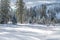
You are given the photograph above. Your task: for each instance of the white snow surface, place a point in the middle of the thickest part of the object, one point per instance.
(29, 32)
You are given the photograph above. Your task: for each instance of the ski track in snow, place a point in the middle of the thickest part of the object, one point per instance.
(31, 32)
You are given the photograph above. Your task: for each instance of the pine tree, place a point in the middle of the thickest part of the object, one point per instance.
(4, 11)
(43, 13)
(20, 8)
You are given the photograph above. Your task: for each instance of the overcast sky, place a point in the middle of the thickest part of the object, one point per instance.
(30, 3)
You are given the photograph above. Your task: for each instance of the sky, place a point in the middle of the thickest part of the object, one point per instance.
(31, 3)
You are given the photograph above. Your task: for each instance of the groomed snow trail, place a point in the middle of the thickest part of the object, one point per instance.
(29, 32)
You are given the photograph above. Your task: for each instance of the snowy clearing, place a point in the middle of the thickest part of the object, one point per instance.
(29, 32)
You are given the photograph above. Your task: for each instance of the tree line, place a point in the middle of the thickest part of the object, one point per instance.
(24, 15)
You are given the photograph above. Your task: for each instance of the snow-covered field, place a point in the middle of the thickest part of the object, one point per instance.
(29, 32)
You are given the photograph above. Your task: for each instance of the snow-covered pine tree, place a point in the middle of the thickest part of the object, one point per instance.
(4, 11)
(20, 9)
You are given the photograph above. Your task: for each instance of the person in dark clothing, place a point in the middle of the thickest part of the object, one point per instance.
(52, 19)
(30, 21)
(14, 20)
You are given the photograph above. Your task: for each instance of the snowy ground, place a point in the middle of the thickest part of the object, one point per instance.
(29, 32)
